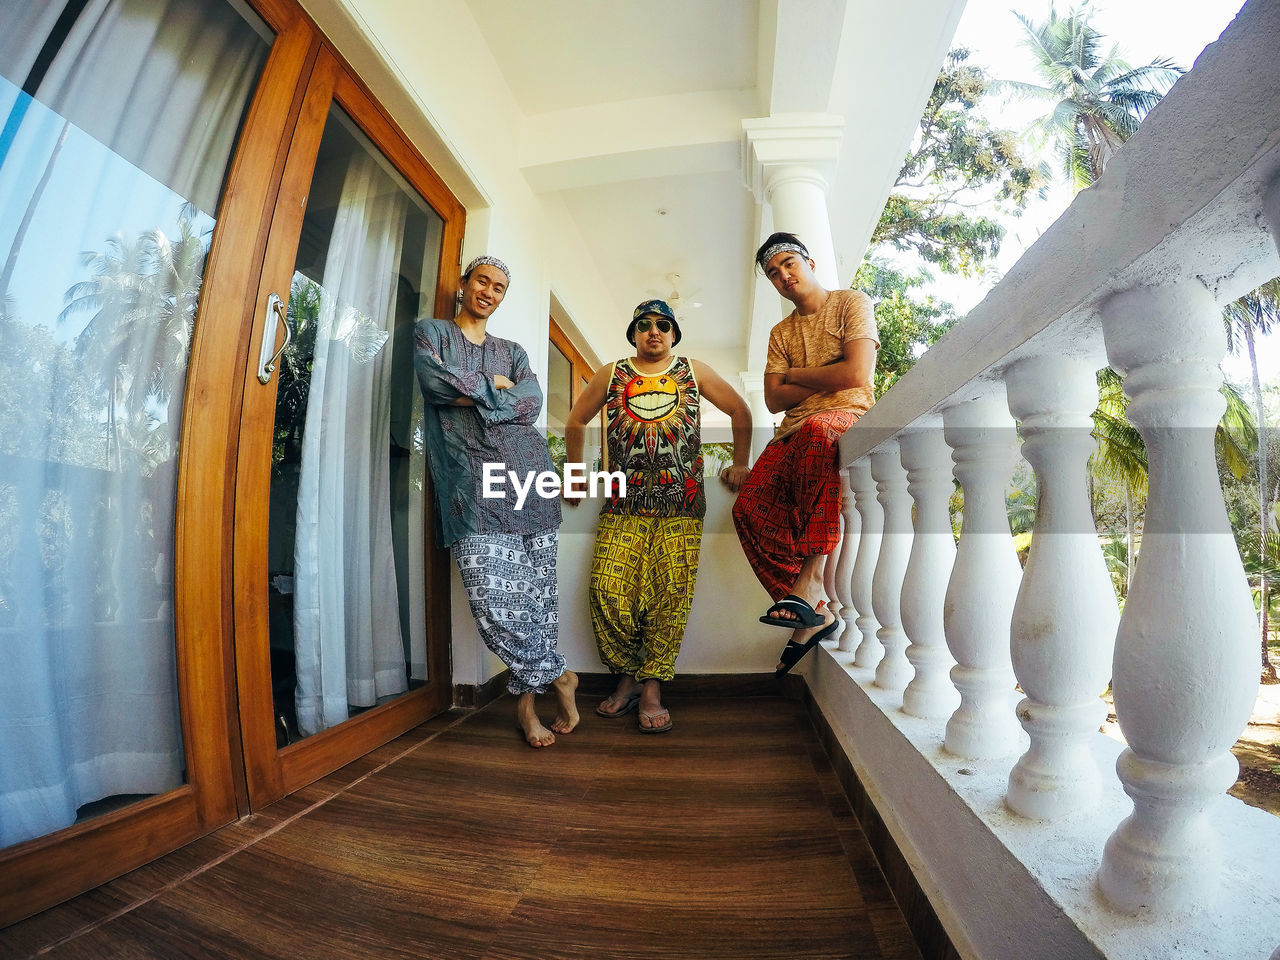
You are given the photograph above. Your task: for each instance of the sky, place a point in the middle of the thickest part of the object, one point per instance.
(1144, 30)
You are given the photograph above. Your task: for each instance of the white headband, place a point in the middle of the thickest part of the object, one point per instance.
(777, 248)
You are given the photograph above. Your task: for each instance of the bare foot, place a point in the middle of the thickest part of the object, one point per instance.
(535, 734)
(653, 716)
(567, 714)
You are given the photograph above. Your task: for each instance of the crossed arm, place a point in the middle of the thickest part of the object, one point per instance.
(782, 391)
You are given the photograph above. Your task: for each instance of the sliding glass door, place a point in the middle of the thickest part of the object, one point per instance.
(119, 123)
(332, 444)
(217, 580)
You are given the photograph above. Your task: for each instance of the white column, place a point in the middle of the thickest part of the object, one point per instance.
(761, 417)
(927, 459)
(984, 580)
(1186, 659)
(869, 649)
(788, 162)
(852, 522)
(894, 670)
(1064, 622)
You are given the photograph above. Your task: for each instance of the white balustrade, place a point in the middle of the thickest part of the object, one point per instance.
(1186, 657)
(927, 459)
(1064, 621)
(894, 670)
(984, 581)
(852, 526)
(869, 650)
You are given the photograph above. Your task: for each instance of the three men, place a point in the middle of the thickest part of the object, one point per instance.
(647, 542)
(482, 402)
(819, 369)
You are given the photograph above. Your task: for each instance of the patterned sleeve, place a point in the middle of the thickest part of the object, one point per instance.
(521, 403)
(443, 382)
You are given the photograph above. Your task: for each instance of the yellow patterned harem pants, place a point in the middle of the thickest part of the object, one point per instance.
(641, 588)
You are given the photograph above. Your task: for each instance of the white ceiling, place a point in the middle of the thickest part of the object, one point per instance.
(636, 48)
(633, 112)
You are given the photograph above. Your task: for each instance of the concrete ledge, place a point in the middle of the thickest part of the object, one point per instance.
(1001, 886)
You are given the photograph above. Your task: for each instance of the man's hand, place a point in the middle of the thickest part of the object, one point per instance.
(573, 493)
(734, 477)
(501, 382)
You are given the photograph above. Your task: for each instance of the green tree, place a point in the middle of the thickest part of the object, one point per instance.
(1256, 314)
(907, 324)
(958, 164)
(1098, 98)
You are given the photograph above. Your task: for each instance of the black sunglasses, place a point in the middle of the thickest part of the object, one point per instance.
(664, 326)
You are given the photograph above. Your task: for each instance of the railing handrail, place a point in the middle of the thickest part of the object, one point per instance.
(1178, 202)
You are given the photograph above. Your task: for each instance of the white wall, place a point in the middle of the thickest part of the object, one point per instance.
(464, 119)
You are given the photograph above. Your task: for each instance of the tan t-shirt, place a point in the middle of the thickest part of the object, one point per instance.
(817, 340)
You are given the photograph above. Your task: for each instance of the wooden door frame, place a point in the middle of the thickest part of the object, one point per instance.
(270, 772)
(49, 869)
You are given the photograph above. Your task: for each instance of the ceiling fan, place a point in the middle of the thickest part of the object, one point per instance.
(677, 302)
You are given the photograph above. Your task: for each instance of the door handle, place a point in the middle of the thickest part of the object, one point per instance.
(266, 356)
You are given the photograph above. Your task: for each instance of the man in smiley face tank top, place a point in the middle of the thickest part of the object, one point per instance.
(647, 542)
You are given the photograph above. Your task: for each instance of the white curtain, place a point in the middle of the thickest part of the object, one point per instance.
(134, 119)
(347, 632)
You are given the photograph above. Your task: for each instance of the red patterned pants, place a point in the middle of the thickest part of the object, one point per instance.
(789, 508)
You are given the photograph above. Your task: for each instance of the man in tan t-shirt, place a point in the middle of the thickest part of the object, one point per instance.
(819, 370)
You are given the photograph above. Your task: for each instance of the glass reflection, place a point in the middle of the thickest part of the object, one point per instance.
(119, 118)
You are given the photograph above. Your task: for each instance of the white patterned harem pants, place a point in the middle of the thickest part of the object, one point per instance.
(510, 581)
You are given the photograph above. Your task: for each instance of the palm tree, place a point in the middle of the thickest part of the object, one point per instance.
(143, 296)
(1119, 457)
(1256, 313)
(1099, 99)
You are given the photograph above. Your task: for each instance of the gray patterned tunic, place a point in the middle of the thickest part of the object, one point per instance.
(498, 429)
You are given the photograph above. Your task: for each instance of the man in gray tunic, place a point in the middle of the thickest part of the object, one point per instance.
(482, 401)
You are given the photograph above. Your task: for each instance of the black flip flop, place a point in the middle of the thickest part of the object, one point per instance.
(793, 652)
(805, 615)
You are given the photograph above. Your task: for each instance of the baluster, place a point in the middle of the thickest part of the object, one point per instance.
(864, 497)
(1064, 622)
(984, 580)
(844, 569)
(894, 670)
(829, 564)
(1185, 673)
(927, 459)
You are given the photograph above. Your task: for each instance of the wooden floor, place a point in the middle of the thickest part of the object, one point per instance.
(727, 838)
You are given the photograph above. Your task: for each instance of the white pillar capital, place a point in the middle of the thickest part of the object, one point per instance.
(788, 162)
(794, 146)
